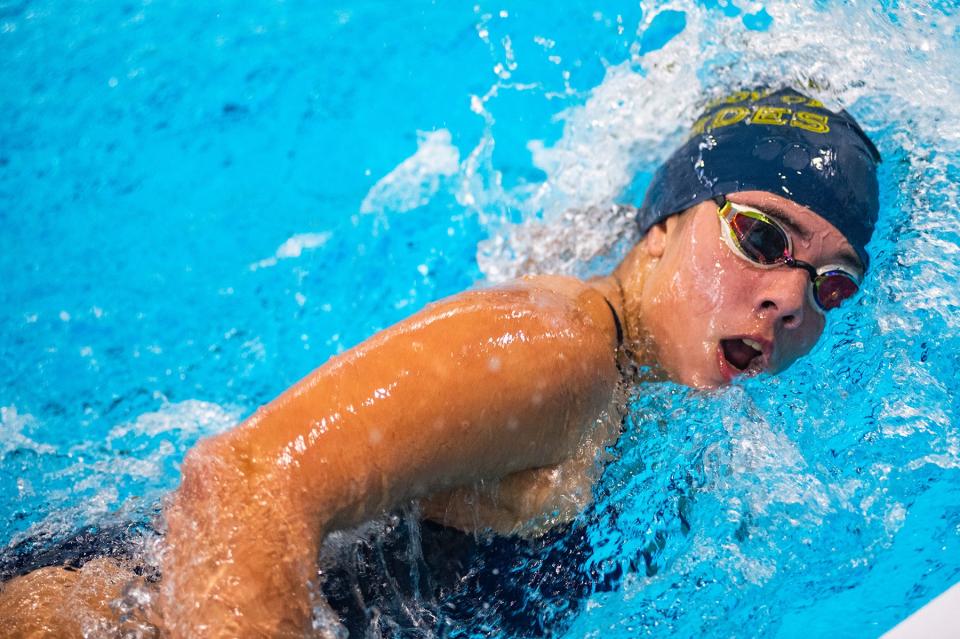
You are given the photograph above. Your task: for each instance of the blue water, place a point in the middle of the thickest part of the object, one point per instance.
(201, 202)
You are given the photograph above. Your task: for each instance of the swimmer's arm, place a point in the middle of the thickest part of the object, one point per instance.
(473, 388)
(530, 502)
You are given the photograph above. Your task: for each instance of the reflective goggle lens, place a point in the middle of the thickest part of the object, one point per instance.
(832, 288)
(759, 240)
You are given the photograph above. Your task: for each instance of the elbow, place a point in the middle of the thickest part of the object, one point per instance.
(215, 492)
(212, 471)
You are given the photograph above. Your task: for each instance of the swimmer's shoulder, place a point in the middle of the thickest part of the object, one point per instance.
(566, 285)
(547, 301)
(586, 300)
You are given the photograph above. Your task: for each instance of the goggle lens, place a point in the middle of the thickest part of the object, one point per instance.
(761, 241)
(832, 288)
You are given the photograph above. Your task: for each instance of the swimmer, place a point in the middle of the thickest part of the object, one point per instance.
(493, 407)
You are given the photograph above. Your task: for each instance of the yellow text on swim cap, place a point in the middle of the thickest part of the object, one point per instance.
(763, 115)
(754, 96)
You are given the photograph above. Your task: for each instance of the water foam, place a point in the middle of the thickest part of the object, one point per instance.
(12, 435)
(293, 247)
(123, 476)
(416, 179)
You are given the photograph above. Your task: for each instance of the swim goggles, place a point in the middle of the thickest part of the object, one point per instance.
(759, 239)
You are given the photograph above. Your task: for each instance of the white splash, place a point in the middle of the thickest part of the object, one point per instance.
(773, 470)
(189, 417)
(418, 178)
(135, 454)
(293, 247)
(12, 436)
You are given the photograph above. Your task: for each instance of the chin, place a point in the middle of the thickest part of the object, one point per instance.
(703, 373)
(700, 380)
(709, 384)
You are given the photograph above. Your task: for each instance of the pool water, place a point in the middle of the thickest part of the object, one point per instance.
(201, 202)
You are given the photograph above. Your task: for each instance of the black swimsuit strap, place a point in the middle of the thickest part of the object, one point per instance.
(616, 321)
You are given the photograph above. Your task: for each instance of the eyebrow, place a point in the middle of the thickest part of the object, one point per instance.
(775, 210)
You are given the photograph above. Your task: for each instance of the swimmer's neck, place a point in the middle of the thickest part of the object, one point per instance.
(624, 290)
(609, 286)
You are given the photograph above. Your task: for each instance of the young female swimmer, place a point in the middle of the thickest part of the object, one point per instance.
(752, 231)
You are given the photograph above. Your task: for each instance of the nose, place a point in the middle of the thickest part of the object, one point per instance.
(784, 296)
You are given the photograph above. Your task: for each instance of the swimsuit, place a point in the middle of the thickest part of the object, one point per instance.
(616, 322)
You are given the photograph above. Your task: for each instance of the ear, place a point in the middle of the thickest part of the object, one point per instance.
(655, 241)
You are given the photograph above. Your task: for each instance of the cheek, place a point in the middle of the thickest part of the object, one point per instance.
(698, 296)
(811, 334)
(803, 342)
(717, 283)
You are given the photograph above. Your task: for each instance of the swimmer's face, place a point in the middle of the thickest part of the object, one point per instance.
(713, 315)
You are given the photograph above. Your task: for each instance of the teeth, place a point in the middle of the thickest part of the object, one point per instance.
(752, 344)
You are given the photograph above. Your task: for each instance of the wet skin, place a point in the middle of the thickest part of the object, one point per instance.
(510, 389)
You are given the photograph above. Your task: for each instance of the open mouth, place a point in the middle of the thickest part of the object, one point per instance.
(743, 353)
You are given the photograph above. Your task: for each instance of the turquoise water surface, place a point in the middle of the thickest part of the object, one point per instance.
(201, 202)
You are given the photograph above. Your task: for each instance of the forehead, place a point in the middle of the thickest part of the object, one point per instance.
(804, 225)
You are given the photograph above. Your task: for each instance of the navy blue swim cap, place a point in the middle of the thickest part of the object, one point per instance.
(781, 142)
